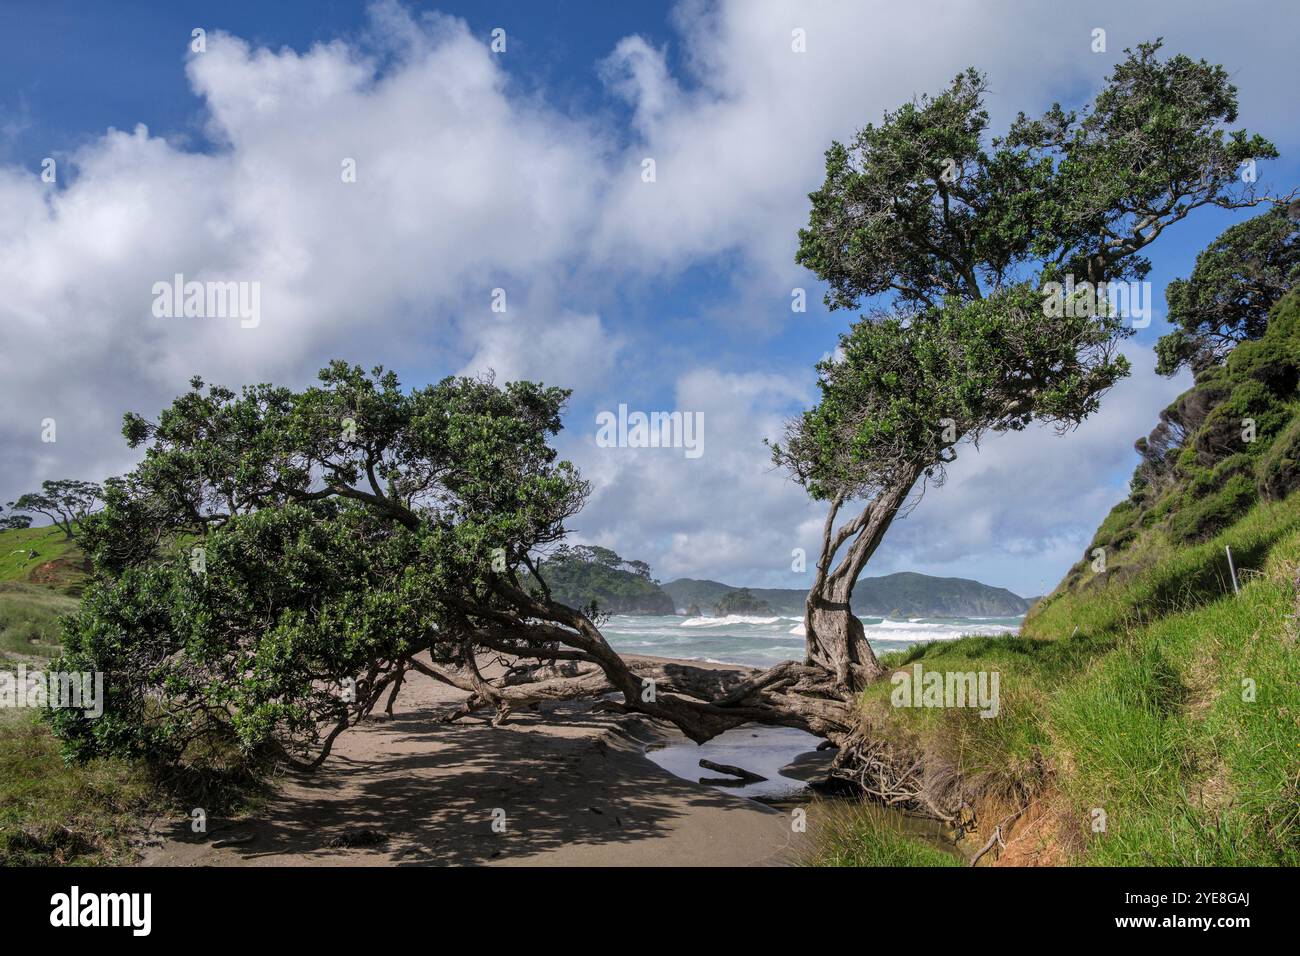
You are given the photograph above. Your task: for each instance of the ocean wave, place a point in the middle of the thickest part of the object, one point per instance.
(909, 624)
(729, 620)
(917, 632)
(761, 641)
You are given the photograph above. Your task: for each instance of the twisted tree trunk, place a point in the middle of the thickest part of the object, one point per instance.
(834, 637)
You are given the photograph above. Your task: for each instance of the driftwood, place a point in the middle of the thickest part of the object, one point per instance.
(745, 776)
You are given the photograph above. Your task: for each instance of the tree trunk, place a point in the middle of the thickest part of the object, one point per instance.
(835, 639)
(833, 635)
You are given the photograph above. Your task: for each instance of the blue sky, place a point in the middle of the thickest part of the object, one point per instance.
(520, 171)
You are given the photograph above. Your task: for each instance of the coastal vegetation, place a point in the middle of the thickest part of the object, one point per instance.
(275, 543)
(281, 559)
(53, 812)
(741, 601)
(597, 578)
(920, 219)
(1148, 712)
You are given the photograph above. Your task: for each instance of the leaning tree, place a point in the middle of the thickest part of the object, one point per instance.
(985, 268)
(65, 501)
(280, 559)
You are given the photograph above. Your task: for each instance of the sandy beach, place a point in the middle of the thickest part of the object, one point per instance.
(572, 788)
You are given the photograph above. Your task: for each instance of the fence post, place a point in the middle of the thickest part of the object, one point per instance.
(1232, 570)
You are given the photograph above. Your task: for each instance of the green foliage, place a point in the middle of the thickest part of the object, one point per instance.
(900, 393)
(1204, 515)
(1226, 300)
(963, 239)
(1273, 360)
(65, 502)
(1219, 447)
(262, 575)
(1224, 432)
(918, 206)
(590, 576)
(1278, 471)
(1118, 528)
(14, 522)
(742, 601)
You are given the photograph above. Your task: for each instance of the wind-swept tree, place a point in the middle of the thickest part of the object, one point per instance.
(1226, 300)
(14, 522)
(66, 502)
(955, 240)
(280, 558)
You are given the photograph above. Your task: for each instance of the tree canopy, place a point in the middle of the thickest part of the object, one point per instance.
(14, 522)
(986, 265)
(277, 554)
(1226, 299)
(920, 207)
(958, 238)
(599, 581)
(65, 501)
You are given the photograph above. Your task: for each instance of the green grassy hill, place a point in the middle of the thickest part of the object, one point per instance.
(1144, 693)
(41, 575)
(41, 556)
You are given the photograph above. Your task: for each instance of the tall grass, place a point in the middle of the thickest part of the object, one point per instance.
(52, 813)
(29, 619)
(846, 834)
(1160, 703)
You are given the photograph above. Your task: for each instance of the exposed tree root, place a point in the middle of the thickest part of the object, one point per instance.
(902, 780)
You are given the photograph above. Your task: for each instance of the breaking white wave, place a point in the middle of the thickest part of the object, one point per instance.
(763, 641)
(728, 621)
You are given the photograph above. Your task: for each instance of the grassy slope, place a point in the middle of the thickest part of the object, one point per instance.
(1125, 691)
(25, 551)
(53, 813)
(864, 835)
(50, 812)
(1138, 712)
(1160, 732)
(40, 575)
(29, 619)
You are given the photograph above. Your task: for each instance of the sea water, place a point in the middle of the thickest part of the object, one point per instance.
(764, 641)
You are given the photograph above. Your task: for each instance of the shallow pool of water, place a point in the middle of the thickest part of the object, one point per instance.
(760, 750)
